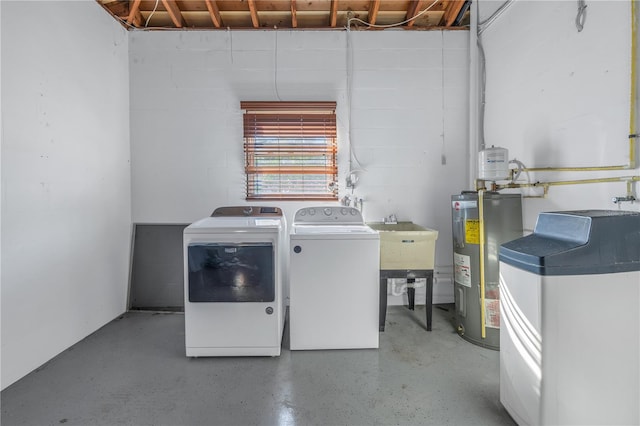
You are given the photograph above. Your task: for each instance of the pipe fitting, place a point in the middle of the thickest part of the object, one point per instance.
(627, 198)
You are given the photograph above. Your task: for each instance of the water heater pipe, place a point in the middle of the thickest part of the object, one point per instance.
(483, 331)
(633, 113)
(627, 179)
(474, 88)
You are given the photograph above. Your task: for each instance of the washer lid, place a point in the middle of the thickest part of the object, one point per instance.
(332, 230)
(328, 215)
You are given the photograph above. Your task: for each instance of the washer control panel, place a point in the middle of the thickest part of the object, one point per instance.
(326, 215)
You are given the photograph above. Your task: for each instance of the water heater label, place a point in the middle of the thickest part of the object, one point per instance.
(465, 204)
(472, 231)
(462, 269)
(492, 313)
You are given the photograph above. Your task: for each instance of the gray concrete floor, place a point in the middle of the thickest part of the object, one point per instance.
(133, 372)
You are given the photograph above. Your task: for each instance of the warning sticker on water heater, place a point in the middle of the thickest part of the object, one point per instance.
(462, 269)
(492, 313)
(472, 231)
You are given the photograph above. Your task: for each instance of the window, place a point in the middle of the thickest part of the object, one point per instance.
(290, 150)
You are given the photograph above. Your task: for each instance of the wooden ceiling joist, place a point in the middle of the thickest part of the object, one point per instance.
(294, 15)
(254, 13)
(413, 10)
(333, 14)
(118, 8)
(133, 11)
(214, 12)
(451, 13)
(374, 6)
(277, 14)
(174, 13)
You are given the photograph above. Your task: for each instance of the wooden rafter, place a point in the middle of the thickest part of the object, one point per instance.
(451, 13)
(117, 8)
(297, 14)
(254, 13)
(294, 15)
(413, 10)
(133, 11)
(214, 12)
(333, 14)
(174, 13)
(374, 6)
(138, 20)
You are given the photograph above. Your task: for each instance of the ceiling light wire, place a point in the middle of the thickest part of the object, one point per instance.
(230, 44)
(151, 14)
(275, 66)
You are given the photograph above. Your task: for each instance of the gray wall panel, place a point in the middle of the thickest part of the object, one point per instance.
(157, 267)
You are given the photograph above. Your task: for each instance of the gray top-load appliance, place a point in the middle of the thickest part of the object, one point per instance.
(570, 303)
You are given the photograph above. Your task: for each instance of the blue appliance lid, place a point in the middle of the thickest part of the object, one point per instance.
(578, 243)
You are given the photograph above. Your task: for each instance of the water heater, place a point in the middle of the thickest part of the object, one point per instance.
(476, 291)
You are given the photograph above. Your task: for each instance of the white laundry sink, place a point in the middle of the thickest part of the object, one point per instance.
(405, 245)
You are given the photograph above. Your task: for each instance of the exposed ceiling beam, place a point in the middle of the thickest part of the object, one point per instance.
(214, 11)
(117, 8)
(297, 14)
(374, 6)
(413, 10)
(174, 13)
(254, 13)
(135, 9)
(294, 15)
(138, 20)
(451, 13)
(462, 13)
(334, 14)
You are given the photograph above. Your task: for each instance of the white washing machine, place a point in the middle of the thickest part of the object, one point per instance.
(334, 280)
(234, 268)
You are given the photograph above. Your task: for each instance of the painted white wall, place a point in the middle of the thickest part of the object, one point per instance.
(408, 123)
(66, 201)
(1, 143)
(557, 97)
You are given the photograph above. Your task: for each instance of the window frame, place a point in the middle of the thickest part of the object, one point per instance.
(290, 145)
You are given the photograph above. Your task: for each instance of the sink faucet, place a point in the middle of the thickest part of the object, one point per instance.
(391, 220)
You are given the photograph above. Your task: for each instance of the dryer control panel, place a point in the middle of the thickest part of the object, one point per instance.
(329, 215)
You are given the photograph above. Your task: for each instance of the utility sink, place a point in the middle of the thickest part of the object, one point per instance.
(405, 245)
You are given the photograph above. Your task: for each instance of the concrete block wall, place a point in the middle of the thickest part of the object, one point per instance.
(405, 118)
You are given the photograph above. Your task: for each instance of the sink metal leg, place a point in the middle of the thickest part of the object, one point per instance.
(411, 295)
(383, 302)
(429, 302)
(410, 276)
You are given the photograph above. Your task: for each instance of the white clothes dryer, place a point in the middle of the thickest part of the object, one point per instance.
(233, 275)
(334, 280)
